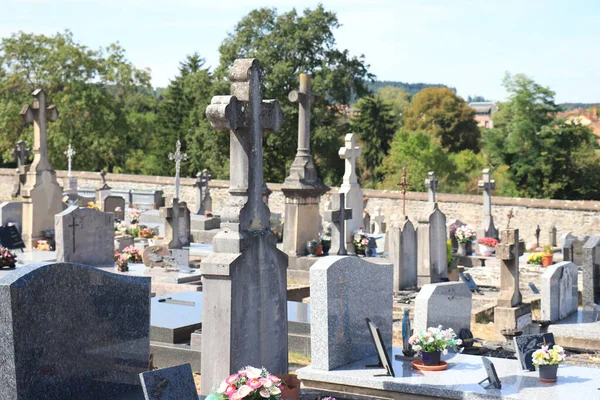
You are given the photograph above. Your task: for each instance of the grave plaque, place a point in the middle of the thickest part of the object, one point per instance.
(525, 346)
(534, 288)
(115, 205)
(447, 304)
(469, 281)
(11, 238)
(174, 383)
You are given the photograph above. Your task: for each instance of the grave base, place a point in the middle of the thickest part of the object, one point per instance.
(170, 355)
(513, 318)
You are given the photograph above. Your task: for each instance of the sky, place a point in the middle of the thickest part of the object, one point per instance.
(460, 43)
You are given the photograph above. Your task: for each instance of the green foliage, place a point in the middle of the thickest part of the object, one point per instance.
(397, 98)
(446, 117)
(375, 126)
(410, 88)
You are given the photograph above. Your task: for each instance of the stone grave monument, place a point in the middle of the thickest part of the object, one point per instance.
(402, 241)
(344, 292)
(115, 205)
(552, 235)
(446, 303)
(72, 332)
(85, 236)
(591, 273)
(432, 263)
(203, 198)
(378, 223)
(246, 272)
(11, 212)
(174, 383)
(20, 154)
(487, 185)
(41, 193)
(560, 297)
(510, 312)
(351, 189)
(337, 215)
(302, 188)
(203, 227)
(103, 189)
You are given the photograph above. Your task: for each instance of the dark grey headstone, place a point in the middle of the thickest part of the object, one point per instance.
(72, 332)
(526, 345)
(174, 383)
(115, 205)
(591, 273)
(175, 316)
(468, 279)
(534, 288)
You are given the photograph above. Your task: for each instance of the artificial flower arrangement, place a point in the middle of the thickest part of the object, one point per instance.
(535, 258)
(488, 241)
(7, 258)
(547, 359)
(464, 234)
(360, 240)
(133, 255)
(208, 214)
(134, 230)
(434, 339)
(93, 205)
(42, 245)
(133, 215)
(146, 233)
(278, 235)
(250, 383)
(123, 263)
(120, 229)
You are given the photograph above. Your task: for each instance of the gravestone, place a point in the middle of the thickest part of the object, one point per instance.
(366, 222)
(115, 205)
(177, 223)
(526, 345)
(41, 193)
(552, 236)
(203, 198)
(72, 332)
(174, 383)
(402, 241)
(510, 312)
(351, 189)
(103, 190)
(344, 292)
(20, 154)
(10, 237)
(560, 296)
(378, 224)
(338, 214)
(469, 281)
(11, 212)
(447, 304)
(577, 250)
(487, 185)
(246, 271)
(591, 273)
(302, 187)
(85, 236)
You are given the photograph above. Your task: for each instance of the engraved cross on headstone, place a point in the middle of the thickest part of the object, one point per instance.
(70, 152)
(178, 157)
(487, 185)
(431, 184)
(38, 114)
(20, 153)
(338, 214)
(245, 114)
(74, 225)
(350, 152)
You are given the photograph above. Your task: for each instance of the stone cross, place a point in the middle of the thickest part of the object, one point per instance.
(404, 185)
(245, 114)
(487, 185)
(338, 214)
(178, 157)
(350, 153)
(70, 152)
(537, 236)
(431, 184)
(20, 153)
(378, 218)
(199, 185)
(304, 99)
(39, 114)
(508, 252)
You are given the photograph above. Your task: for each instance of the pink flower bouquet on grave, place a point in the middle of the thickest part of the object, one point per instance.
(250, 383)
(464, 234)
(133, 255)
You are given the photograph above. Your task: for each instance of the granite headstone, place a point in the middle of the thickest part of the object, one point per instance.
(526, 345)
(115, 205)
(12, 212)
(447, 304)
(174, 383)
(402, 240)
(591, 273)
(559, 291)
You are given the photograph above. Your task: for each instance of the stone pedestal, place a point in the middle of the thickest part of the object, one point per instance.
(177, 224)
(301, 222)
(513, 318)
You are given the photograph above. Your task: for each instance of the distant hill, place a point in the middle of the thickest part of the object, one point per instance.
(411, 88)
(574, 106)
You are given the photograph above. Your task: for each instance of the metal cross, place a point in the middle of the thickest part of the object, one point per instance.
(510, 215)
(487, 184)
(178, 157)
(404, 185)
(70, 152)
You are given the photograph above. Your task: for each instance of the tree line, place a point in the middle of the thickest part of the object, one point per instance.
(118, 122)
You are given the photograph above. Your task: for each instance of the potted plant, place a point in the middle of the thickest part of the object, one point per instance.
(360, 241)
(432, 343)
(249, 383)
(547, 255)
(546, 360)
(487, 246)
(463, 235)
(7, 258)
(123, 263)
(535, 258)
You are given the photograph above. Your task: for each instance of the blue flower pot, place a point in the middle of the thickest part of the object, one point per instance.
(431, 357)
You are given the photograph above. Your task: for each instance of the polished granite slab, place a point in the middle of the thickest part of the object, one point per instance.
(460, 380)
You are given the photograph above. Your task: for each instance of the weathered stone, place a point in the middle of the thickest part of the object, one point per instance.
(344, 292)
(338, 214)
(174, 383)
(12, 212)
(85, 236)
(378, 224)
(447, 304)
(559, 300)
(177, 221)
(351, 189)
(72, 332)
(432, 262)
(402, 241)
(115, 205)
(487, 185)
(203, 198)
(591, 273)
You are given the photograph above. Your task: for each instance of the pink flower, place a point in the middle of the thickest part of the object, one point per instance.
(244, 391)
(265, 393)
(243, 372)
(253, 372)
(230, 390)
(232, 378)
(274, 379)
(254, 383)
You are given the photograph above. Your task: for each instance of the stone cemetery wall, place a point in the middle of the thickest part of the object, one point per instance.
(579, 217)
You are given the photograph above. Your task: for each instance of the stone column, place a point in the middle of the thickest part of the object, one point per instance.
(351, 189)
(302, 188)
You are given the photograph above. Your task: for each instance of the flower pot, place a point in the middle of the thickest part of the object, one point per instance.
(485, 251)
(462, 249)
(291, 386)
(311, 247)
(548, 373)
(319, 251)
(431, 357)
(326, 246)
(547, 260)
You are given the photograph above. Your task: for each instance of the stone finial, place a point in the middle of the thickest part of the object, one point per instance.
(431, 183)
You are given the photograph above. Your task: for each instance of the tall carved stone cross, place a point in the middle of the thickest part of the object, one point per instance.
(431, 184)
(38, 114)
(20, 153)
(245, 114)
(487, 185)
(178, 157)
(303, 162)
(338, 214)
(350, 152)
(70, 153)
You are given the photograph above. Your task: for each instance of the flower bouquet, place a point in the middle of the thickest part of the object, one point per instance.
(360, 241)
(123, 263)
(133, 215)
(93, 205)
(7, 258)
(250, 383)
(134, 230)
(146, 233)
(433, 342)
(487, 246)
(133, 255)
(42, 245)
(546, 360)
(464, 234)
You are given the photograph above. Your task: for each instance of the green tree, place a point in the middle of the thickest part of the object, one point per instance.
(286, 45)
(445, 116)
(397, 98)
(375, 125)
(100, 96)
